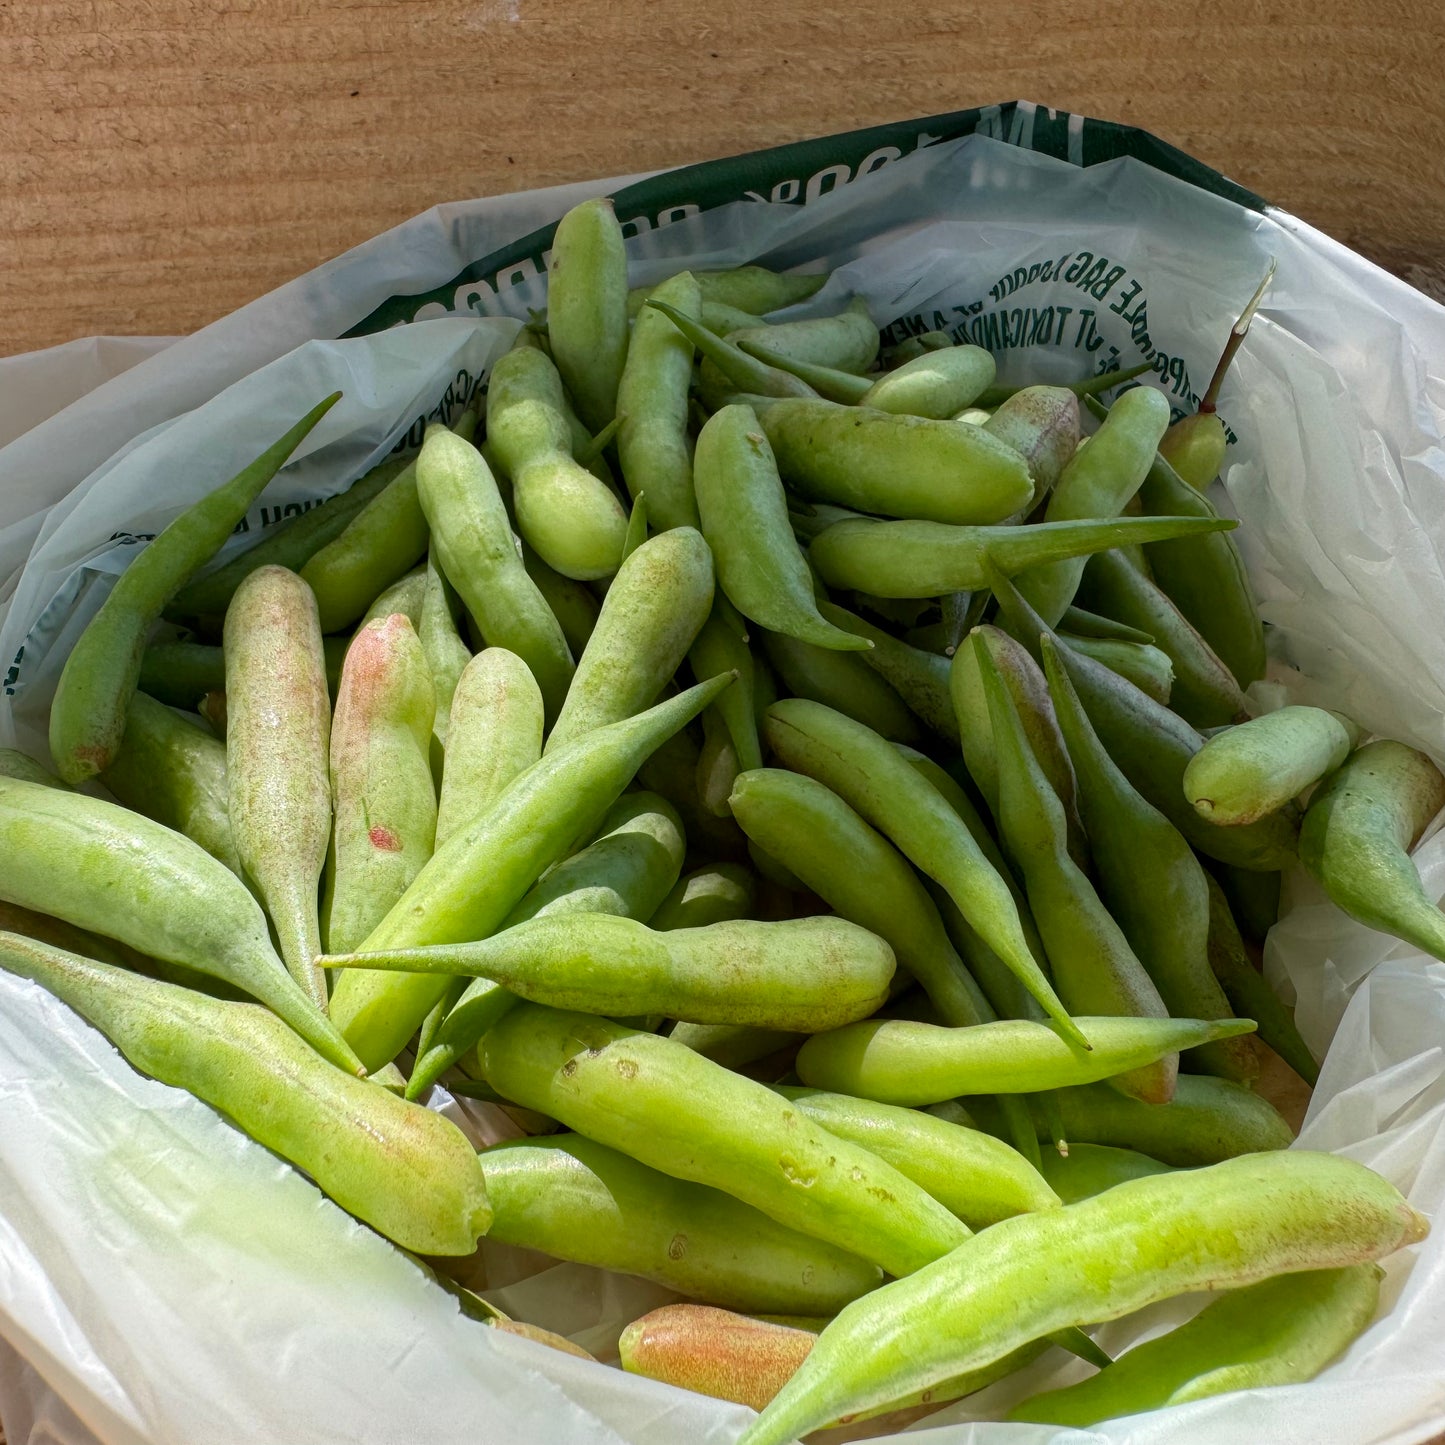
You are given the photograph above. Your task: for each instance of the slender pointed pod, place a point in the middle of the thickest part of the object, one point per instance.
(1231, 1225)
(924, 559)
(847, 341)
(1357, 835)
(404, 1170)
(482, 871)
(843, 681)
(827, 381)
(445, 651)
(734, 366)
(87, 716)
(105, 868)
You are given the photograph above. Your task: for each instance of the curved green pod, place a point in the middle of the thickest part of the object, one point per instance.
(826, 381)
(977, 1177)
(938, 384)
(670, 1108)
(899, 1061)
(1256, 768)
(1041, 423)
(174, 771)
(472, 538)
(405, 597)
(1099, 481)
(652, 440)
(573, 603)
(1150, 880)
(15, 764)
(721, 646)
(102, 867)
(575, 1199)
(867, 772)
(378, 546)
(654, 609)
(1356, 837)
(713, 893)
(1141, 663)
(483, 870)
(291, 544)
(381, 780)
(858, 874)
(897, 466)
(404, 1170)
(1090, 1169)
(1204, 691)
(494, 734)
(1207, 1120)
(927, 558)
(842, 681)
(1092, 964)
(1152, 747)
(87, 715)
(1234, 1224)
(573, 521)
(745, 520)
(847, 341)
(726, 367)
(755, 290)
(278, 737)
(587, 309)
(445, 652)
(735, 1046)
(1281, 1331)
(800, 974)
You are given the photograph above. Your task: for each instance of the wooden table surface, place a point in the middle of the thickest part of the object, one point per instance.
(164, 161)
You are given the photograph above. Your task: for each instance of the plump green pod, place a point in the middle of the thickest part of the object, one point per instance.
(842, 681)
(936, 385)
(720, 646)
(587, 308)
(1091, 962)
(278, 732)
(920, 678)
(1041, 423)
(1259, 766)
(1152, 746)
(573, 603)
(291, 544)
(858, 874)
(754, 290)
(87, 716)
(381, 543)
(1235, 1224)
(180, 674)
(381, 781)
(674, 771)
(576, 1199)
(924, 559)
(1099, 481)
(669, 1107)
(445, 653)
(1249, 994)
(1090, 1169)
(899, 1061)
(15, 764)
(482, 871)
(103, 867)
(1357, 835)
(845, 342)
(980, 1179)
(867, 773)
(472, 538)
(652, 440)
(800, 974)
(174, 771)
(625, 872)
(1204, 690)
(714, 893)
(898, 466)
(405, 597)
(654, 609)
(1207, 1120)
(1194, 446)
(745, 520)
(1150, 880)
(1141, 663)
(404, 1170)
(735, 1046)
(495, 733)
(1282, 1331)
(575, 523)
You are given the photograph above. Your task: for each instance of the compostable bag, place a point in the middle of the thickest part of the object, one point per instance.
(165, 1280)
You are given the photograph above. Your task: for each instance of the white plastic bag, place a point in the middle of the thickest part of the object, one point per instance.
(173, 1282)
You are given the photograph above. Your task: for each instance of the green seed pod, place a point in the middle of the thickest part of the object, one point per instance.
(713, 893)
(936, 385)
(1090, 1169)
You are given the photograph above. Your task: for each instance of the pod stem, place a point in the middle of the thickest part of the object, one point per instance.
(1238, 332)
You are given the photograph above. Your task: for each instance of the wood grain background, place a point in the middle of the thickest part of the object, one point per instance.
(164, 161)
